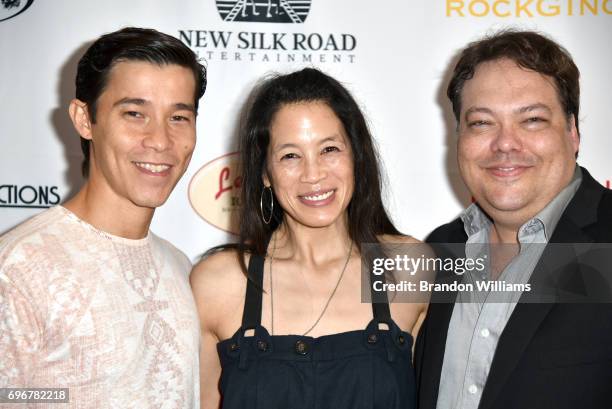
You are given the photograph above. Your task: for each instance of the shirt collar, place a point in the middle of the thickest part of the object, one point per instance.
(475, 220)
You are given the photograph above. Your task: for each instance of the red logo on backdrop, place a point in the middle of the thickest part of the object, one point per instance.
(214, 192)
(226, 184)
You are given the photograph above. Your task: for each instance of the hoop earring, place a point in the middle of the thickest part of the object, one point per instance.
(263, 217)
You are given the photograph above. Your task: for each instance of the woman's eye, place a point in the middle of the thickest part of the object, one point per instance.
(179, 118)
(331, 149)
(289, 156)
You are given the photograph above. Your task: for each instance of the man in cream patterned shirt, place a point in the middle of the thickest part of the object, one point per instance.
(90, 299)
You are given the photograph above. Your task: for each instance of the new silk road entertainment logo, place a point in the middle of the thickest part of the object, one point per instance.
(269, 43)
(12, 8)
(264, 11)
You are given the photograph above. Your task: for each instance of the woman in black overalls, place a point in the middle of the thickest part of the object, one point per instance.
(295, 334)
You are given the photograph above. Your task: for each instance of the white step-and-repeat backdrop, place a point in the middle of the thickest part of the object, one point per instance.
(395, 56)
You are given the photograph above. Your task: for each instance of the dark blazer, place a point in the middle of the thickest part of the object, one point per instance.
(554, 355)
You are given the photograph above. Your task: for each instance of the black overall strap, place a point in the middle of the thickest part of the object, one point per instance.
(251, 316)
(380, 310)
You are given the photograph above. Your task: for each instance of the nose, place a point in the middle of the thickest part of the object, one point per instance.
(506, 140)
(157, 137)
(313, 170)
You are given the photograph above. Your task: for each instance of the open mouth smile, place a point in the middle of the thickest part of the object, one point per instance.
(318, 198)
(153, 168)
(507, 171)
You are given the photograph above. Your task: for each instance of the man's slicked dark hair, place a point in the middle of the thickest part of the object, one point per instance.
(529, 50)
(367, 216)
(130, 44)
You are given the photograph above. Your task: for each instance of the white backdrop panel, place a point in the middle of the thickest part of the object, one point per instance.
(397, 71)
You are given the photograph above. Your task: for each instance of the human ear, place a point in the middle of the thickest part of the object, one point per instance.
(79, 114)
(573, 134)
(265, 179)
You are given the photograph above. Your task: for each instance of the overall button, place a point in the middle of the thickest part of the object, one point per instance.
(401, 339)
(262, 346)
(234, 347)
(372, 338)
(301, 347)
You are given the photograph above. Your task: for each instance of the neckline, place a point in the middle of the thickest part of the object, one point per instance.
(251, 315)
(116, 239)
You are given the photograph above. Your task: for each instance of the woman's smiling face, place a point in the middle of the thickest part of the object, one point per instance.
(310, 164)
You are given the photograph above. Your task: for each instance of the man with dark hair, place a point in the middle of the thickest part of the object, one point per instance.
(90, 299)
(515, 96)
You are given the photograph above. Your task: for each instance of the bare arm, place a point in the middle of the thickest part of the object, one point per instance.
(210, 371)
(409, 309)
(218, 288)
(210, 367)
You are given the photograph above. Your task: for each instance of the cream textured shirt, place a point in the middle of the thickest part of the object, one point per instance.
(111, 319)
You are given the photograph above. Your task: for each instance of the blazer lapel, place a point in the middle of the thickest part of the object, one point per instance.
(517, 334)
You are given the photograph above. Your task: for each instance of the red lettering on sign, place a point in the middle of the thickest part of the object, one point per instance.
(224, 184)
(223, 176)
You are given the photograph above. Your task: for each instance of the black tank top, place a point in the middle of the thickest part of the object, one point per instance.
(363, 369)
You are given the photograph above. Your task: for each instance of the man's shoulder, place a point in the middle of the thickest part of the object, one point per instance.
(590, 209)
(33, 233)
(452, 232)
(605, 205)
(34, 249)
(604, 216)
(168, 251)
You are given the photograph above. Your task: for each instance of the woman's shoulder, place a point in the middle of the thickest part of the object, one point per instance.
(219, 284)
(218, 273)
(398, 239)
(216, 260)
(407, 312)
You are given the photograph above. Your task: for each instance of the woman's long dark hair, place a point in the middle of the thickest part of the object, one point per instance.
(367, 216)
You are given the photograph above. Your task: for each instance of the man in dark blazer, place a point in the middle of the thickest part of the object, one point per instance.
(515, 96)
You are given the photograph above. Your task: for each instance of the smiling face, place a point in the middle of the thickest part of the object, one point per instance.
(516, 147)
(310, 164)
(144, 133)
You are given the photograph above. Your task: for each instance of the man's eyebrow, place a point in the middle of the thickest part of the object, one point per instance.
(472, 110)
(128, 100)
(521, 110)
(140, 101)
(533, 107)
(185, 107)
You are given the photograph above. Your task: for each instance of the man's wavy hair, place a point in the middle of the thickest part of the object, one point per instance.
(529, 50)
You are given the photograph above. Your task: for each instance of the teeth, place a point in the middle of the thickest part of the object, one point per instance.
(319, 197)
(151, 167)
(506, 169)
